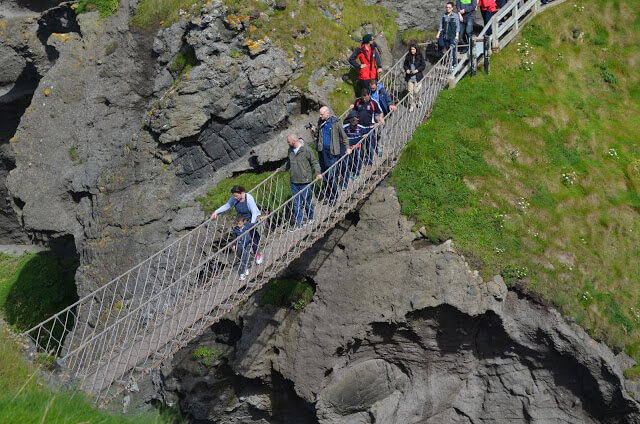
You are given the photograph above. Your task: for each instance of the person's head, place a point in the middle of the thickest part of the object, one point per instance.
(293, 141)
(353, 122)
(373, 85)
(450, 7)
(366, 94)
(325, 113)
(237, 192)
(368, 38)
(240, 221)
(413, 49)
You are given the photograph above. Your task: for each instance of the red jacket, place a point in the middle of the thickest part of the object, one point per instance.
(367, 55)
(488, 5)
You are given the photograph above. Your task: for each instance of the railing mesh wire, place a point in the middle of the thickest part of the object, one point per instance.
(121, 331)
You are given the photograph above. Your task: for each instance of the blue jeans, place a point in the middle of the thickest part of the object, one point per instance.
(486, 17)
(351, 164)
(326, 159)
(302, 203)
(466, 29)
(369, 143)
(243, 253)
(445, 43)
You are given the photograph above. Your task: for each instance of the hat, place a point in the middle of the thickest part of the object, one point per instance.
(354, 120)
(367, 38)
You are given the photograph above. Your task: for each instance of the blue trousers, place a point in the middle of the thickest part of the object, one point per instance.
(445, 43)
(302, 204)
(351, 164)
(369, 143)
(486, 17)
(243, 253)
(326, 159)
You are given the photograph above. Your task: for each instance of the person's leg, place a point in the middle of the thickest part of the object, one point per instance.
(486, 16)
(308, 204)
(368, 144)
(410, 87)
(255, 241)
(239, 255)
(440, 46)
(416, 93)
(332, 183)
(297, 203)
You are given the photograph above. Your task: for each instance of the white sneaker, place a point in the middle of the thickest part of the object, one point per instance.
(242, 277)
(259, 259)
(246, 271)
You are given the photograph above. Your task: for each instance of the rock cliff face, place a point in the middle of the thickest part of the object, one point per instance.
(401, 331)
(114, 138)
(412, 14)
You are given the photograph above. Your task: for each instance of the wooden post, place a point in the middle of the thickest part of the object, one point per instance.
(472, 56)
(487, 53)
(494, 31)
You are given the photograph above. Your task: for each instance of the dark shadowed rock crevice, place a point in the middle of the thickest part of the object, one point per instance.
(399, 334)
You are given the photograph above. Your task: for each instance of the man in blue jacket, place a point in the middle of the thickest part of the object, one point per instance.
(466, 14)
(331, 143)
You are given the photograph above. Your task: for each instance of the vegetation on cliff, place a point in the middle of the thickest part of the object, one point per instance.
(33, 287)
(534, 170)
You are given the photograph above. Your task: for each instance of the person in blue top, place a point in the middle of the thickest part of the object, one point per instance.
(246, 206)
(380, 95)
(370, 114)
(331, 143)
(243, 244)
(352, 165)
(466, 15)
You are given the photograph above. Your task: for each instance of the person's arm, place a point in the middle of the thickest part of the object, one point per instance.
(344, 140)
(457, 28)
(286, 165)
(315, 165)
(223, 208)
(378, 59)
(421, 65)
(353, 59)
(255, 212)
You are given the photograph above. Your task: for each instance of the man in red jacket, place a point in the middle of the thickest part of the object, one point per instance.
(369, 67)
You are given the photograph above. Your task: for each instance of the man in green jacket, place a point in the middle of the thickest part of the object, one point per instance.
(302, 163)
(332, 143)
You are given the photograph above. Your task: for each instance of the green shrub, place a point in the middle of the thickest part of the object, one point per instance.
(105, 7)
(111, 47)
(73, 154)
(287, 293)
(207, 356)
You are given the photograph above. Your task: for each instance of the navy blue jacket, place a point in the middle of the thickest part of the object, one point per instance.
(246, 240)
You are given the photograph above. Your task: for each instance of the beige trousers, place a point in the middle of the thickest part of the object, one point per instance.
(413, 88)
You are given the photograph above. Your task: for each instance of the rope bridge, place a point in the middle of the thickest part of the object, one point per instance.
(114, 336)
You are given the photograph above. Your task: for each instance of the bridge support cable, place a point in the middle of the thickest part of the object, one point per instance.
(120, 332)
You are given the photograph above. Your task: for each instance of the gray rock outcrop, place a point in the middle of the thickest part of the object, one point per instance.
(414, 14)
(403, 331)
(83, 172)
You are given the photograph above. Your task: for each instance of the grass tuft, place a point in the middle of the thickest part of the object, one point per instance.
(287, 293)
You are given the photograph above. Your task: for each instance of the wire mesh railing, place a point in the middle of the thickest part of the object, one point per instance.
(124, 329)
(121, 331)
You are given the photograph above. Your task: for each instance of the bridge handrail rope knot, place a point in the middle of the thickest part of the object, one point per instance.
(124, 329)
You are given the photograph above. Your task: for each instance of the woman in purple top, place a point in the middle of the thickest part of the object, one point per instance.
(246, 206)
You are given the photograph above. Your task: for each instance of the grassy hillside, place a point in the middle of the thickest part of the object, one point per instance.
(33, 287)
(534, 170)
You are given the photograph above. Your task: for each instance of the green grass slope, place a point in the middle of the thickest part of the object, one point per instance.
(534, 169)
(33, 287)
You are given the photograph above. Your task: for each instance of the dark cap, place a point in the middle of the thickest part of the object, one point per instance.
(354, 121)
(367, 38)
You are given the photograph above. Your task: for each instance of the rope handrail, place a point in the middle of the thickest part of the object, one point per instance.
(130, 325)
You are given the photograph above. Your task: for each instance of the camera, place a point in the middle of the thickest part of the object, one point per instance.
(308, 126)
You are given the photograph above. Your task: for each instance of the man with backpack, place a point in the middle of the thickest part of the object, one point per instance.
(369, 65)
(448, 32)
